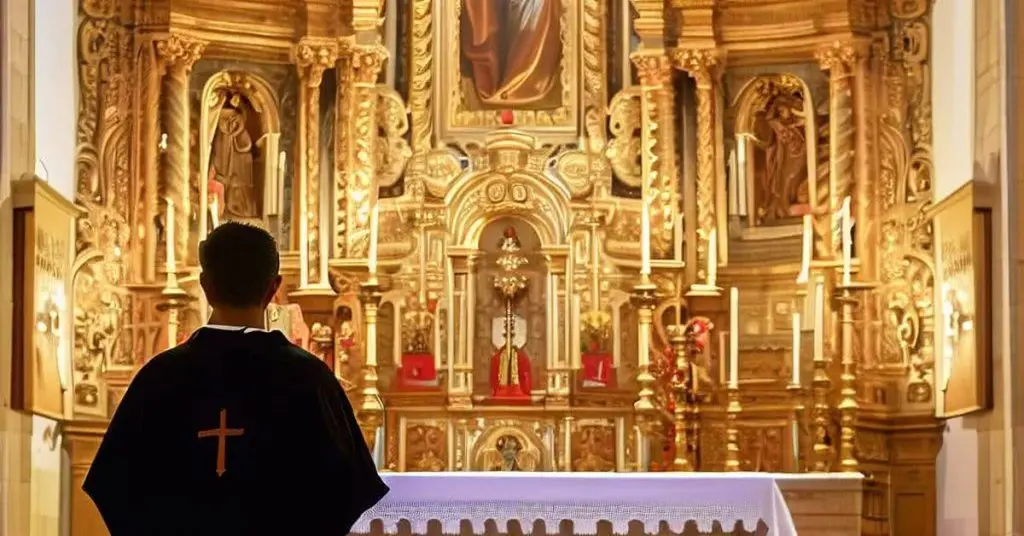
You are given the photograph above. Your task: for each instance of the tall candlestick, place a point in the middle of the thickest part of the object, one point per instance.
(847, 231)
(805, 259)
(169, 236)
(819, 321)
(371, 263)
(796, 348)
(712, 257)
(645, 238)
(734, 337)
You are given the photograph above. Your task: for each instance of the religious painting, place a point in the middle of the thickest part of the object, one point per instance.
(963, 364)
(511, 53)
(512, 63)
(44, 241)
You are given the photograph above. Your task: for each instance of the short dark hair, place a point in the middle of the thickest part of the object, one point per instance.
(239, 262)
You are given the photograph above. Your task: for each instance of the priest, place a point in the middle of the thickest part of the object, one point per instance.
(236, 431)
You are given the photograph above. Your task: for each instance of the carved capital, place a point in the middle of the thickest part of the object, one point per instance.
(179, 53)
(367, 62)
(699, 63)
(313, 57)
(838, 56)
(653, 67)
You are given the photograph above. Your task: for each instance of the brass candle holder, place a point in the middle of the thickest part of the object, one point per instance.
(848, 297)
(821, 384)
(797, 394)
(682, 390)
(732, 432)
(370, 296)
(644, 300)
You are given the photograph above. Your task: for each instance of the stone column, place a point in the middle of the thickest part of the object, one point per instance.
(312, 57)
(657, 153)
(700, 65)
(177, 54)
(838, 60)
(366, 64)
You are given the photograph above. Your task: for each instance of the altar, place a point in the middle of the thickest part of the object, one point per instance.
(610, 503)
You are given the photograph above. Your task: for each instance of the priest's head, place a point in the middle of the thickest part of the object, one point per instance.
(240, 275)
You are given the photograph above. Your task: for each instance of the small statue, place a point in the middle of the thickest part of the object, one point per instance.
(510, 368)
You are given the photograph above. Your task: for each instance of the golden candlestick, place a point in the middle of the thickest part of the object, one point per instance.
(682, 391)
(821, 384)
(644, 300)
(370, 296)
(732, 432)
(797, 393)
(848, 405)
(510, 284)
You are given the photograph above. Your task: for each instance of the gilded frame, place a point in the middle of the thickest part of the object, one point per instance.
(963, 298)
(459, 124)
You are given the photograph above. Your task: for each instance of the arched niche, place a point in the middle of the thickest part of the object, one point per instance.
(511, 188)
(775, 116)
(232, 97)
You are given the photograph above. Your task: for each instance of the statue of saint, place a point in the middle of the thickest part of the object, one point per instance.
(510, 368)
(779, 133)
(231, 164)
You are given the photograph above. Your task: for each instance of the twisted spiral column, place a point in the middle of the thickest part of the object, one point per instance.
(838, 60)
(657, 134)
(312, 57)
(177, 55)
(700, 64)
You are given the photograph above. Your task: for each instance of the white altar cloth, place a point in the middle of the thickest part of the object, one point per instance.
(583, 498)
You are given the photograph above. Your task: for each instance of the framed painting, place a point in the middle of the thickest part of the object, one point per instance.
(963, 298)
(44, 241)
(508, 63)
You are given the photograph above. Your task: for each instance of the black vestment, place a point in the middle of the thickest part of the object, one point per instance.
(294, 463)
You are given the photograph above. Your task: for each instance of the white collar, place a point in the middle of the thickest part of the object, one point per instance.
(243, 329)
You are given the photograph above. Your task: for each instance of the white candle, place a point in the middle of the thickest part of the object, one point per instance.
(734, 337)
(645, 238)
(741, 166)
(847, 231)
(796, 348)
(169, 236)
(819, 321)
(214, 213)
(805, 259)
(712, 257)
(371, 263)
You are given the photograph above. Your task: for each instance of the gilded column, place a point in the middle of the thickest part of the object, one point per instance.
(700, 65)
(657, 154)
(177, 54)
(838, 60)
(366, 64)
(150, 147)
(312, 57)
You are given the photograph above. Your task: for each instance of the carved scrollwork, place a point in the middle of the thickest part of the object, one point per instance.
(623, 151)
(393, 151)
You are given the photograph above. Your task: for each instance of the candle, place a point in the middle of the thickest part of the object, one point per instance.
(734, 338)
(805, 260)
(645, 239)
(847, 229)
(796, 348)
(169, 236)
(712, 257)
(819, 321)
(741, 166)
(214, 213)
(374, 220)
(734, 181)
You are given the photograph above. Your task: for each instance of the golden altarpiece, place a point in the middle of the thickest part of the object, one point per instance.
(511, 228)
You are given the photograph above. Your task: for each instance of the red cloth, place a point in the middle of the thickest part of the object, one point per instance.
(511, 391)
(597, 369)
(417, 370)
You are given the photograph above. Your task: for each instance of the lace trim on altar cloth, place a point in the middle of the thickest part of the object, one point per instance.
(585, 517)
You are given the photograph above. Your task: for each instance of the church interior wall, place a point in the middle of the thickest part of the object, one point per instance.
(974, 481)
